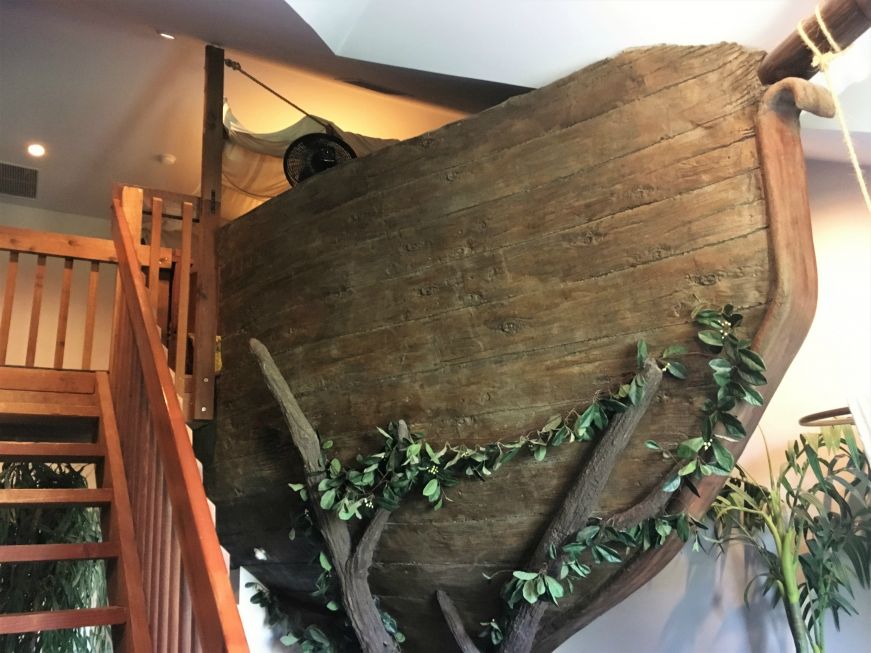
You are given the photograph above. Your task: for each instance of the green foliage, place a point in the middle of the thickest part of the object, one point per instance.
(62, 585)
(736, 371)
(407, 462)
(817, 512)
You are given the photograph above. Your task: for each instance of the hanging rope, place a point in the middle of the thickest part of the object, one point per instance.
(235, 65)
(823, 60)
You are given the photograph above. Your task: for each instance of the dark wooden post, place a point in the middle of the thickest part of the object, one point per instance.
(206, 316)
(847, 20)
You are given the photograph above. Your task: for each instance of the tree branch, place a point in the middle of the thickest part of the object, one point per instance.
(348, 566)
(455, 623)
(578, 507)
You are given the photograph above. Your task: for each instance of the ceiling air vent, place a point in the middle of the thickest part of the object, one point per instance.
(18, 180)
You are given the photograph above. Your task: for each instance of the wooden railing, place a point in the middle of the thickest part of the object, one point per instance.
(44, 272)
(190, 602)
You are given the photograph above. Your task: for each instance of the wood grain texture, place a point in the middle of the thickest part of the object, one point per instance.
(478, 279)
(783, 328)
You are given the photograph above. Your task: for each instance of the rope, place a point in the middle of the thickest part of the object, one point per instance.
(823, 60)
(235, 65)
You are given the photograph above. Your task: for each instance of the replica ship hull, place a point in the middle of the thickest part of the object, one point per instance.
(482, 277)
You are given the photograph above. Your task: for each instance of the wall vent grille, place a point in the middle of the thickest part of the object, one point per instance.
(18, 180)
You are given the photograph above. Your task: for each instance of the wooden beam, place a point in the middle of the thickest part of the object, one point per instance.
(42, 498)
(52, 552)
(206, 316)
(29, 241)
(31, 622)
(43, 380)
(72, 452)
(847, 20)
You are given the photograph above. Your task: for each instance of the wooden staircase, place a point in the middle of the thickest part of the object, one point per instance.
(83, 407)
(168, 584)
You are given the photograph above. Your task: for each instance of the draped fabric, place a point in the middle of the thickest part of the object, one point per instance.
(253, 168)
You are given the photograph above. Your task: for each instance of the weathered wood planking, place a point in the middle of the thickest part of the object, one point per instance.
(476, 280)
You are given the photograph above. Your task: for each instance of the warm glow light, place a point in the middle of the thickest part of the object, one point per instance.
(167, 35)
(36, 149)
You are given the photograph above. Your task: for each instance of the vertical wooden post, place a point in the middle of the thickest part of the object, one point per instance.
(206, 316)
(131, 200)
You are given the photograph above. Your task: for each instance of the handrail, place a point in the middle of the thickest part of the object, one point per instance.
(213, 603)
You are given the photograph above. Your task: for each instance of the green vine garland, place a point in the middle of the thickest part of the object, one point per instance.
(407, 462)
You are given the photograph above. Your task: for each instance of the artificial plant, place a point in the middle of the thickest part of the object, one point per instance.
(56, 585)
(811, 527)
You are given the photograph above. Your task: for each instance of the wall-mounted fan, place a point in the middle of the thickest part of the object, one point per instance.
(314, 153)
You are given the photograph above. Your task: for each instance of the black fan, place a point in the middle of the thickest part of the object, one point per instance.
(314, 153)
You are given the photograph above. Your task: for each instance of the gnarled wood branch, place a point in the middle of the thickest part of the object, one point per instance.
(455, 623)
(350, 565)
(578, 507)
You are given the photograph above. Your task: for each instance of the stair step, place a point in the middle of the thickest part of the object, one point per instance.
(49, 552)
(73, 452)
(55, 498)
(31, 622)
(32, 409)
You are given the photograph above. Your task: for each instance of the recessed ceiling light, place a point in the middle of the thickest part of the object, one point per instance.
(36, 149)
(167, 35)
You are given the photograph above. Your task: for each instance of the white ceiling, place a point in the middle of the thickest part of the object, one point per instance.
(93, 81)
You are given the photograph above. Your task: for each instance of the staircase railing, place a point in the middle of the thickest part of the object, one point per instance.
(190, 601)
(57, 298)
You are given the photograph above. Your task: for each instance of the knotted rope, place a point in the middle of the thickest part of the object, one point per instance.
(823, 60)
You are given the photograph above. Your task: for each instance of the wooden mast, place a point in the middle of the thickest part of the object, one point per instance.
(206, 316)
(847, 20)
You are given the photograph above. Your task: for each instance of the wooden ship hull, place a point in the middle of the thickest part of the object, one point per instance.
(482, 277)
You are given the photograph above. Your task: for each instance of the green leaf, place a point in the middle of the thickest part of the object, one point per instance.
(327, 444)
(328, 498)
(529, 592)
(752, 397)
(332, 606)
(554, 588)
(689, 468)
(751, 360)
(431, 488)
(672, 484)
(552, 423)
(723, 456)
(296, 487)
(325, 562)
(335, 467)
(641, 354)
(525, 575)
(674, 350)
(713, 338)
(677, 369)
(652, 444)
(540, 452)
(289, 639)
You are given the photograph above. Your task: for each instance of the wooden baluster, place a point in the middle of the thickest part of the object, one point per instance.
(63, 314)
(8, 299)
(154, 252)
(184, 273)
(166, 546)
(36, 308)
(185, 628)
(90, 314)
(174, 597)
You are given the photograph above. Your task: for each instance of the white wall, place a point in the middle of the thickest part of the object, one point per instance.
(696, 604)
(29, 217)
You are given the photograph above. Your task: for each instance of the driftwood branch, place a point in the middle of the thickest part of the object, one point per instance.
(350, 566)
(455, 623)
(578, 507)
